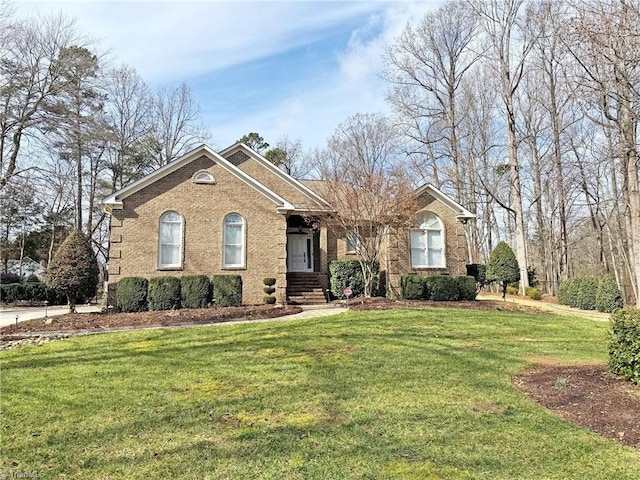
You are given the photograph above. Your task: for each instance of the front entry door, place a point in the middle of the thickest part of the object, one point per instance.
(300, 253)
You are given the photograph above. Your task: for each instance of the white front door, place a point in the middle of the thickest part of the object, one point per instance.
(300, 253)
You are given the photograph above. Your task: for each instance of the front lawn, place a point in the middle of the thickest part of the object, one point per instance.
(404, 394)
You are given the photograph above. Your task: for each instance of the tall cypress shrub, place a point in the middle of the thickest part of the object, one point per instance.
(74, 270)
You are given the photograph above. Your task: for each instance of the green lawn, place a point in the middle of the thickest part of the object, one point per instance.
(412, 394)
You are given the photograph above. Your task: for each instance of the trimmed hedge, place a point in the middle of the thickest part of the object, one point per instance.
(32, 292)
(269, 300)
(412, 287)
(608, 297)
(466, 287)
(7, 278)
(227, 290)
(195, 291)
(441, 288)
(568, 292)
(624, 345)
(164, 293)
(269, 282)
(131, 294)
(348, 273)
(586, 296)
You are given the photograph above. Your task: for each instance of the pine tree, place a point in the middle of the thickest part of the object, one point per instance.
(503, 267)
(74, 269)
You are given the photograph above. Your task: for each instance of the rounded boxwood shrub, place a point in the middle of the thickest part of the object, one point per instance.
(442, 288)
(586, 297)
(624, 345)
(269, 282)
(195, 291)
(269, 300)
(533, 293)
(131, 294)
(269, 290)
(608, 297)
(466, 287)
(227, 290)
(412, 287)
(164, 293)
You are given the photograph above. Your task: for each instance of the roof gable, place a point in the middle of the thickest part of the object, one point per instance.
(300, 195)
(114, 201)
(461, 212)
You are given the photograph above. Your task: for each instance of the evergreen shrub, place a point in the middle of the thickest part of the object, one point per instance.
(269, 290)
(227, 290)
(533, 293)
(269, 282)
(74, 269)
(568, 292)
(503, 267)
(608, 297)
(586, 296)
(7, 278)
(442, 288)
(624, 345)
(131, 294)
(348, 273)
(269, 300)
(466, 287)
(195, 291)
(412, 287)
(164, 293)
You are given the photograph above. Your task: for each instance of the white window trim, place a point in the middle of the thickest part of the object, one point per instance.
(178, 265)
(204, 177)
(354, 250)
(423, 231)
(243, 248)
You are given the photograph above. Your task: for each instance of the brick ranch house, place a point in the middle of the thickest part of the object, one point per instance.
(234, 212)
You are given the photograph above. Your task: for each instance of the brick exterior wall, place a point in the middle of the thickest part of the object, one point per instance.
(135, 229)
(395, 258)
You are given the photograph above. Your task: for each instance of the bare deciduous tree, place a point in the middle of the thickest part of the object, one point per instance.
(366, 183)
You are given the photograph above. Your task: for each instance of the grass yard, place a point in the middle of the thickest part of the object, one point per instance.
(402, 394)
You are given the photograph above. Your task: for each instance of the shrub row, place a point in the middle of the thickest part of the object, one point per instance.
(588, 294)
(33, 292)
(624, 345)
(135, 294)
(438, 288)
(348, 273)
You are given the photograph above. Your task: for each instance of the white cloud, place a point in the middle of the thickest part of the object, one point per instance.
(174, 42)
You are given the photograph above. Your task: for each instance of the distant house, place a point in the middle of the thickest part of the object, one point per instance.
(27, 268)
(234, 212)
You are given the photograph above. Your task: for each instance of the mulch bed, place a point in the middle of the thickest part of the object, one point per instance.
(113, 321)
(587, 395)
(377, 303)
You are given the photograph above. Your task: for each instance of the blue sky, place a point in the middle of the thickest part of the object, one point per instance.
(294, 68)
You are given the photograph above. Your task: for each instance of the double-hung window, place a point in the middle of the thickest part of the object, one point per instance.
(170, 244)
(234, 241)
(427, 243)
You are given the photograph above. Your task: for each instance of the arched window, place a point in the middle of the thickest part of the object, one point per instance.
(170, 248)
(204, 177)
(427, 243)
(234, 241)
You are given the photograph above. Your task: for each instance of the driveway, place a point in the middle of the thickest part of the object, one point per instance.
(8, 315)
